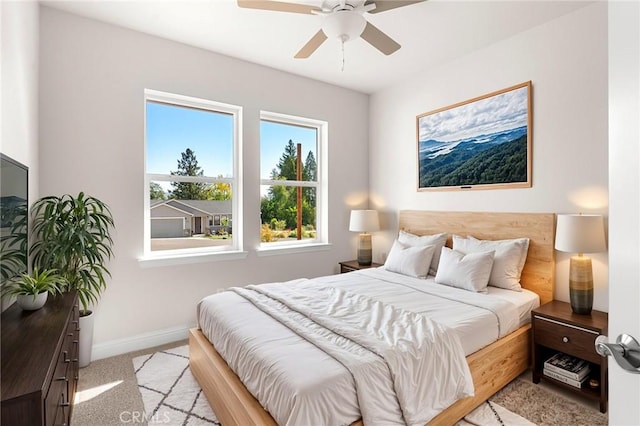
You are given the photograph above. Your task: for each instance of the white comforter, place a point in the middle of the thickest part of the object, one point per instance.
(301, 384)
(383, 347)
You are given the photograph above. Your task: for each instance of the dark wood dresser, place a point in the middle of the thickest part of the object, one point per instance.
(40, 362)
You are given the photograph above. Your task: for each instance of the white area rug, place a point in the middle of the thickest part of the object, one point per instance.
(172, 396)
(170, 393)
(490, 414)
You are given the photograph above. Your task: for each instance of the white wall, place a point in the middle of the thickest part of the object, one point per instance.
(624, 178)
(19, 87)
(566, 60)
(92, 78)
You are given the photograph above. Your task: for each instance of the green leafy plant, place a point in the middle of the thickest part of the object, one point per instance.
(35, 283)
(13, 245)
(72, 235)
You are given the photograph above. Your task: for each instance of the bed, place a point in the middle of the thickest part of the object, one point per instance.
(491, 367)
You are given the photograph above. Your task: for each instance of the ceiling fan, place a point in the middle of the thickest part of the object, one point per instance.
(343, 19)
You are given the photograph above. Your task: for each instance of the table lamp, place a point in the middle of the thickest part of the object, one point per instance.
(577, 233)
(364, 221)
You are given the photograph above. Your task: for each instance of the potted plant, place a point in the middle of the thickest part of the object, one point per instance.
(72, 235)
(31, 290)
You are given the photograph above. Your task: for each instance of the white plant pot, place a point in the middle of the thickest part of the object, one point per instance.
(29, 302)
(86, 339)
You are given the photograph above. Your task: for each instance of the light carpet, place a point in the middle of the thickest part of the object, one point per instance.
(172, 396)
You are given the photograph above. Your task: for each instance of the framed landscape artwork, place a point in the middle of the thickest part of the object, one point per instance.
(482, 143)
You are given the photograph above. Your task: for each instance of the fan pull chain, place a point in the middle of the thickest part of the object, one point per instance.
(342, 55)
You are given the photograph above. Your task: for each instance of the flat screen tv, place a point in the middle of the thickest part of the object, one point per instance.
(14, 202)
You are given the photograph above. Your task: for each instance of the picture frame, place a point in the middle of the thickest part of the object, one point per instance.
(481, 143)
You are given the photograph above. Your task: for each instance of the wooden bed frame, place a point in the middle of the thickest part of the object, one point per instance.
(492, 367)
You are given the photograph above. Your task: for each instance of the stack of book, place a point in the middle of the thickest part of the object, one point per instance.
(567, 369)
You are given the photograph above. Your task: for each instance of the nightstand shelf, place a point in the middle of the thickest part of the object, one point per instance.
(557, 329)
(353, 265)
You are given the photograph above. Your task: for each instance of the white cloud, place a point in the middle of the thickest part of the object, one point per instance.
(501, 112)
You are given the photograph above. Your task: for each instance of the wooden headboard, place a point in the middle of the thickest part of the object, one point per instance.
(538, 274)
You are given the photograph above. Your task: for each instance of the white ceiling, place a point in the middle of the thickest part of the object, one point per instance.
(430, 33)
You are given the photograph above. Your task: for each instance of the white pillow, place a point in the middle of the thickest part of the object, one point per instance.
(436, 240)
(466, 271)
(407, 260)
(508, 262)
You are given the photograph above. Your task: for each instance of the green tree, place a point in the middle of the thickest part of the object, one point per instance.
(280, 203)
(310, 173)
(287, 165)
(188, 166)
(310, 170)
(156, 192)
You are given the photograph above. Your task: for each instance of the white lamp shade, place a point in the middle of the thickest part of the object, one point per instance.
(345, 25)
(580, 233)
(364, 221)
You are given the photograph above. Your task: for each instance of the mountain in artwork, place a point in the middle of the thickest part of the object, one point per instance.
(494, 158)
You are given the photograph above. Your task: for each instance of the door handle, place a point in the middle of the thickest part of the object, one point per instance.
(626, 351)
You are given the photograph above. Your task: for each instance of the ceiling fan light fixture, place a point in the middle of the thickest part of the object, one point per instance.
(344, 25)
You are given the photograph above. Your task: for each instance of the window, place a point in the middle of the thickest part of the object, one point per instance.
(192, 175)
(293, 180)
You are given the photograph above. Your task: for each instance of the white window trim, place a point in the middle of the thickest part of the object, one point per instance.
(291, 248)
(321, 242)
(197, 255)
(189, 258)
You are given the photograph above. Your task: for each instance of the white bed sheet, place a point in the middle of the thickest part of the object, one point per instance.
(297, 382)
(476, 327)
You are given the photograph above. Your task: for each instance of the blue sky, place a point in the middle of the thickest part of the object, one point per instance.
(273, 139)
(497, 113)
(171, 130)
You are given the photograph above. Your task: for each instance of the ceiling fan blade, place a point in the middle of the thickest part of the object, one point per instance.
(311, 45)
(384, 5)
(278, 6)
(379, 40)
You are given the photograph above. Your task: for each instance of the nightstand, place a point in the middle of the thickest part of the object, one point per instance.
(353, 265)
(557, 329)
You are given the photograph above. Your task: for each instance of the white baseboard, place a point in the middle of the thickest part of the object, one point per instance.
(141, 341)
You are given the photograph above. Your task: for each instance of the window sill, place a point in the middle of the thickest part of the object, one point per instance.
(151, 261)
(291, 248)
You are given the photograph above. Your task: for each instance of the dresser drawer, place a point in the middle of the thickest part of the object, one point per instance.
(74, 324)
(56, 408)
(566, 338)
(57, 398)
(70, 343)
(71, 347)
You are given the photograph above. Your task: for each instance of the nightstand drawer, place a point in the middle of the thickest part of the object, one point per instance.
(353, 265)
(344, 269)
(569, 339)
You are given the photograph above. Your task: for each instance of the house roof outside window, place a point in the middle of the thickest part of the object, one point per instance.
(197, 207)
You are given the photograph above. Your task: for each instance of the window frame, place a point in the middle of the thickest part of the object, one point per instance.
(321, 186)
(196, 254)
